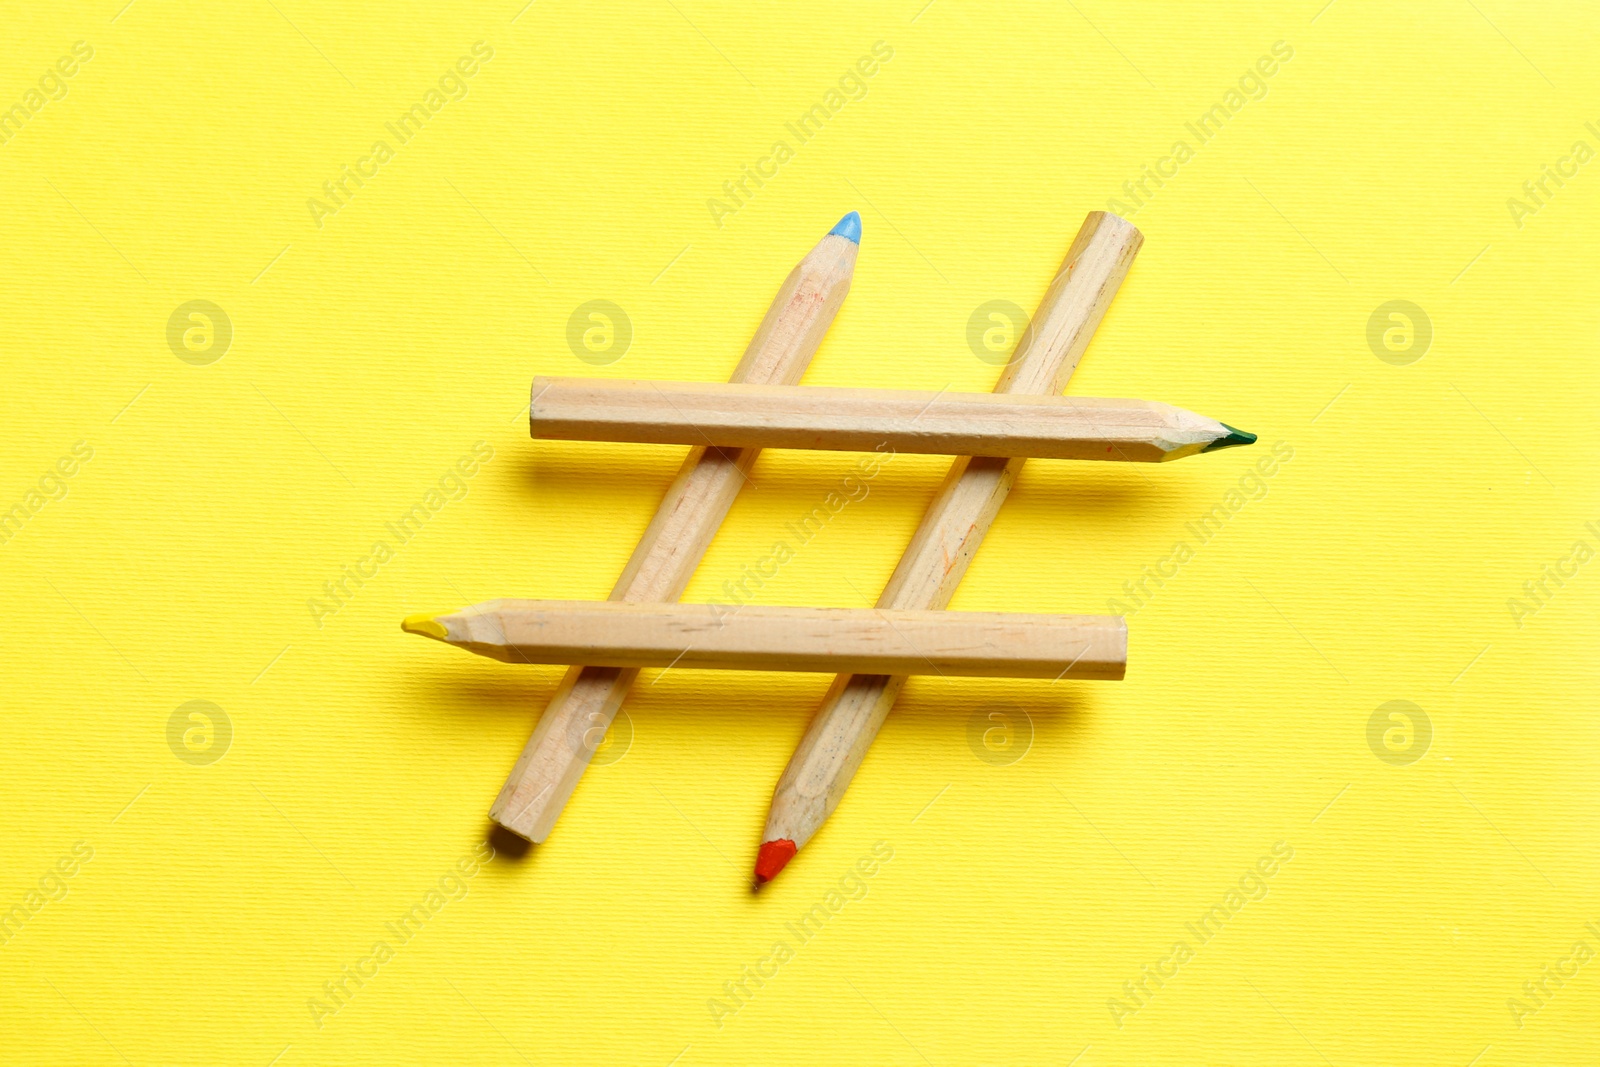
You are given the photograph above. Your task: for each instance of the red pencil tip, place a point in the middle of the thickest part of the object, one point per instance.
(773, 857)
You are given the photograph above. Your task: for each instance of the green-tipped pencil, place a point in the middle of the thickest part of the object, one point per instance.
(735, 415)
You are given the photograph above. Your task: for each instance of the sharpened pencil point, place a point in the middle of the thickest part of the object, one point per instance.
(849, 228)
(773, 857)
(1235, 437)
(426, 625)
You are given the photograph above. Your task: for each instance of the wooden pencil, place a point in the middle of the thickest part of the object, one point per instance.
(979, 644)
(963, 508)
(861, 420)
(588, 698)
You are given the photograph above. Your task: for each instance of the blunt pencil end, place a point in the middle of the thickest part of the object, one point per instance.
(1235, 437)
(773, 857)
(849, 228)
(426, 625)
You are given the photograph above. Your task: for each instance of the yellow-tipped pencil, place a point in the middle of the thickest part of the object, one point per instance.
(980, 644)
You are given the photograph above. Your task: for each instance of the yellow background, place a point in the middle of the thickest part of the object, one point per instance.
(372, 352)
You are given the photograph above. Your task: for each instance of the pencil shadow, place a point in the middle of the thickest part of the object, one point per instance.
(1009, 732)
(785, 699)
(790, 479)
(518, 688)
(589, 466)
(1001, 723)
(509, 845)
(998, 722)
(462, 701)
(938, 724)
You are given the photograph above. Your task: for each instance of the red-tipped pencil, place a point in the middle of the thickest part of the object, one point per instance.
(855, 707)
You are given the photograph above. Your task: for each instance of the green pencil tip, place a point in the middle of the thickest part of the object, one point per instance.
(1235, 437)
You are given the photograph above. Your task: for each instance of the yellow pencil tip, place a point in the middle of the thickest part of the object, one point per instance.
(426, 625)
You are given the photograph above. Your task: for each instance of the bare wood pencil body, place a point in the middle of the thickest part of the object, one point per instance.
(983, 644)
(860, 420)
(659, 570)
(963, 509)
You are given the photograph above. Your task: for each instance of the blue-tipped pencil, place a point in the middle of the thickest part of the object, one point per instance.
(661, 566)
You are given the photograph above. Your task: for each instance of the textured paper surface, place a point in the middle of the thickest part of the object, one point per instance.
(1050, 844)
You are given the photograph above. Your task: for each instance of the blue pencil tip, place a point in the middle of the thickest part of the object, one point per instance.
(849, 228)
